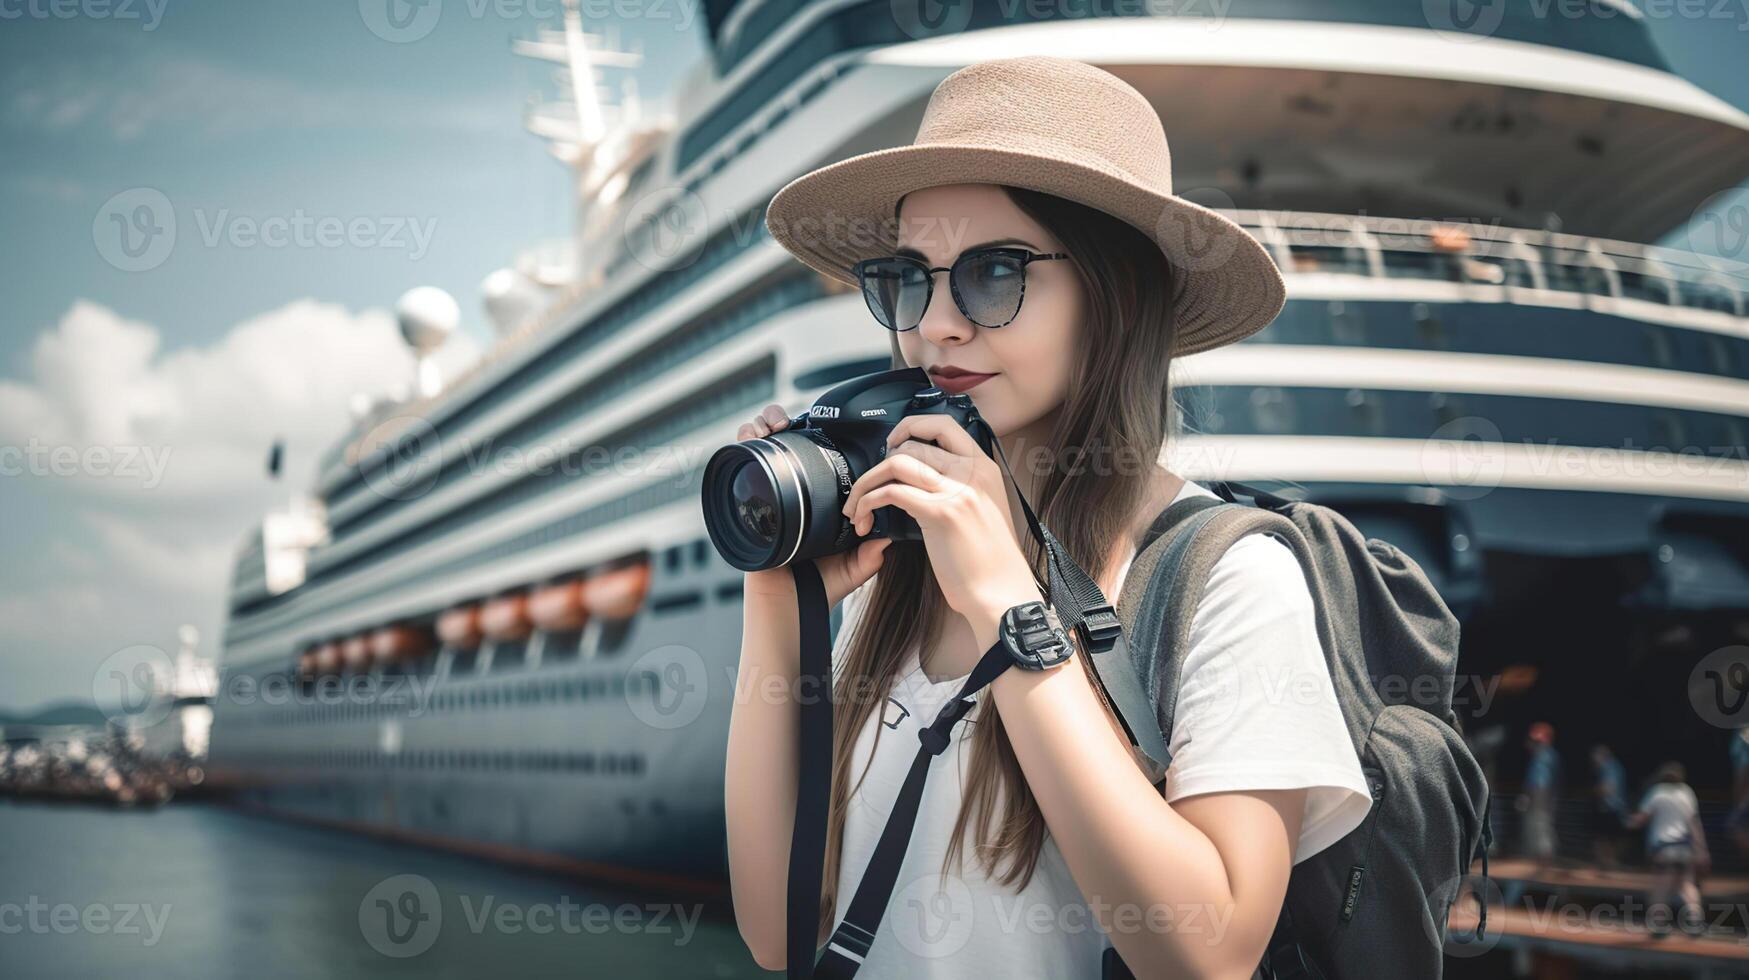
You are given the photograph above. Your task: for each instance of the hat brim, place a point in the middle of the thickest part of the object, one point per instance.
(1228, 287)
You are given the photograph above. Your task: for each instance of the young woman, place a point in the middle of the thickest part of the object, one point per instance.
(1041, 838)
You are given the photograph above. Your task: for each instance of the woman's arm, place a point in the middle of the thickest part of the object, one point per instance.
(1191, 888)
(759, 784)
(759, 778)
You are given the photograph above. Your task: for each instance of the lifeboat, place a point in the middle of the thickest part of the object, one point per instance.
(307, 662)
(617, 593)
(460, 627)
(398, 644)
(506, 617)
(328, 657)
(355, 652)
(559, 606)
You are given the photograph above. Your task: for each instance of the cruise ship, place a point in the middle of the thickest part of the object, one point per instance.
(503, 582)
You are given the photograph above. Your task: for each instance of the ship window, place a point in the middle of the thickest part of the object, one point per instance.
(1639, 285)
(1708, 296)
(1661, 349)
(672, 557)
(1271, 410)
(1667, 431)
(676, 603)
(1368, 411)
(509, 655)
(1428, 327)
(1412, 264)
(1446, 408)
(463, 662)
(701, 552)
(1347, 323)
(561, 645)
(1719, 354)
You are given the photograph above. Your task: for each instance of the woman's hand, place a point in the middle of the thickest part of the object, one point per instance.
(955, 493)
(840, 574)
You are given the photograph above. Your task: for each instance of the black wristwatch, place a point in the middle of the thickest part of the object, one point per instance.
(1034, 637)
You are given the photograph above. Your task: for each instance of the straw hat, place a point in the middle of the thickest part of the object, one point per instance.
(1048, 124)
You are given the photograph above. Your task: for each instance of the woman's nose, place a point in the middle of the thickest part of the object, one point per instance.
(943, 324)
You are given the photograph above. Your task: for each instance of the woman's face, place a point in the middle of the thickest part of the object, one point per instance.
(1032, 357)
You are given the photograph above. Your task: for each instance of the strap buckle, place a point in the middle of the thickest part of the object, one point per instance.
(935, 736)
(1100, 628)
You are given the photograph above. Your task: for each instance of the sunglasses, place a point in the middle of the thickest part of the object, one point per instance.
(987, 285)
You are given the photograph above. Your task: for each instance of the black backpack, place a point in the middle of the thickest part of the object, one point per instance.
(1375, 903)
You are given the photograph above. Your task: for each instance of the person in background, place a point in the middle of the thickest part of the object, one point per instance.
(1609, 806)
(1738, 822)
(1537, 802)
(1677, 847)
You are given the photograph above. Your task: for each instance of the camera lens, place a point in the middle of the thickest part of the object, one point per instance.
(770, 501)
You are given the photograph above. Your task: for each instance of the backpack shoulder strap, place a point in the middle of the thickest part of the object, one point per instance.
(1157, 615)
(1152, 547)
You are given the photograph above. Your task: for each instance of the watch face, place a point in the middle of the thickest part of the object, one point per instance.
(1034, 637)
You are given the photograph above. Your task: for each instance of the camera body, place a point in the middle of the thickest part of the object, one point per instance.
(778, 499)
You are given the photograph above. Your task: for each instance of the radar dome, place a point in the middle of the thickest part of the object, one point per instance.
(510, 299)
(428, 316)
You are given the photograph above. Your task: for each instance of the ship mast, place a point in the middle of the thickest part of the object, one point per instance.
(600, 137)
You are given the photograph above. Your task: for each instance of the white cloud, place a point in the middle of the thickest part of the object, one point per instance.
(197, 422)
(117, 562)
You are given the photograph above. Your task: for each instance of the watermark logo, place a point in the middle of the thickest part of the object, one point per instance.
(1463, 20)
(933, 916)
(130, 683)
(1719, 226)
(35, 458)
(38, 918)
(665, 229)
(919, 19)
(135, 231)
(1718, 687)
(413, 461)
(150, 13)
(1463, 458)
(1457, 903)
(1199, 240)
(667, 687)
(401, 21)
(401, 916)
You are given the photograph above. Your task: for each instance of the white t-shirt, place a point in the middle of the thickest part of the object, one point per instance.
(1672, 806)
(1256, 710)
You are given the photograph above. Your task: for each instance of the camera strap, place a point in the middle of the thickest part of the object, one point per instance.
(1101, 633)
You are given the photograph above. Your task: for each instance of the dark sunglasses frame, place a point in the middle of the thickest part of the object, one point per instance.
(1025, 256)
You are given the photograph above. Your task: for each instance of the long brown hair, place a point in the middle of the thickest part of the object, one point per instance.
(1118, 412)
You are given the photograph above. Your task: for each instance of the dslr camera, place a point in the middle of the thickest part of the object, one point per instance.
(778, 499)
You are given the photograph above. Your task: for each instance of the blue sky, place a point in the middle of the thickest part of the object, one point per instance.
(237, 112)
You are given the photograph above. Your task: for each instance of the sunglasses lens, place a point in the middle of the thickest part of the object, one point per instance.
(896, 292)
(989, 286)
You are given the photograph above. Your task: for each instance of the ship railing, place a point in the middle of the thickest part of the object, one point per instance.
(1491, 254)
